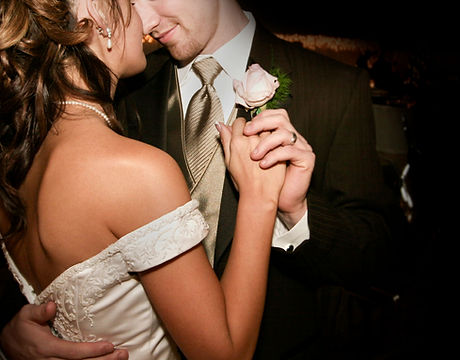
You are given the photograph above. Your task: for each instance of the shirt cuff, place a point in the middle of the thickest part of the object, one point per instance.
(289, 240)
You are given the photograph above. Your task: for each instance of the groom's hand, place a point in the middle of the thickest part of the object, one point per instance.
(27, 337)
(284, 144)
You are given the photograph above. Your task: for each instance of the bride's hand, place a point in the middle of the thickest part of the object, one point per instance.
(247, 174)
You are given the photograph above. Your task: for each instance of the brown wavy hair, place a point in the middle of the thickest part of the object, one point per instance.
(39, 40)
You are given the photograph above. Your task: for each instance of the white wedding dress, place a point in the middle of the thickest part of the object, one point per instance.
(101, 298)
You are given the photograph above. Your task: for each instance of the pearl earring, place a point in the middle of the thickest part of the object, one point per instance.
(109, 36)
(109, 39)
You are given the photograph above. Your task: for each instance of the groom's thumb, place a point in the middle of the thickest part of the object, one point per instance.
(40, 314)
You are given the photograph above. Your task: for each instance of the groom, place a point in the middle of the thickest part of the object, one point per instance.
(331, 230)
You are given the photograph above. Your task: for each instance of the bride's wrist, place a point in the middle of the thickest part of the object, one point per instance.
(259, 203)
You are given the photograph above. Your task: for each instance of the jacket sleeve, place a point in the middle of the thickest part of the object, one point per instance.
(347, 200)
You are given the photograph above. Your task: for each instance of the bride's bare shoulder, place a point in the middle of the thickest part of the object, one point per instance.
(150, 184)
(126, 181)
(108, 155)
(151, 167)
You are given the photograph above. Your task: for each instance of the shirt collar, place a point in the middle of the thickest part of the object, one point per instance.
(234, 66)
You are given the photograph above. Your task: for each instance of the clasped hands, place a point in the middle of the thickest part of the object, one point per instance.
(279, 142)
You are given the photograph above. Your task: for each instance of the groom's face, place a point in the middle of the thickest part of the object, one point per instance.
(184, 27)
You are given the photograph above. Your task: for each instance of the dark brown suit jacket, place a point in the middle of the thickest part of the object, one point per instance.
(330, 106)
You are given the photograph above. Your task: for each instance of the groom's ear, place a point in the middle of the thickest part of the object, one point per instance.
(100, 11)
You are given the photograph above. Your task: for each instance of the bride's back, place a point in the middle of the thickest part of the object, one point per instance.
(64, 225)
(84, 233)
(78, 183)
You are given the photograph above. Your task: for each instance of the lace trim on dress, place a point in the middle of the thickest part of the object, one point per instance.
(26, 289)
(79, 287)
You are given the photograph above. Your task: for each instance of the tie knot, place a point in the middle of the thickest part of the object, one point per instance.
(207, 69)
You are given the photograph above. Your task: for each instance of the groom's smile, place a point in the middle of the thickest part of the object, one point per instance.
(165, 36)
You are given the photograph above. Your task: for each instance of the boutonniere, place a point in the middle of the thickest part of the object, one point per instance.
(260, 90)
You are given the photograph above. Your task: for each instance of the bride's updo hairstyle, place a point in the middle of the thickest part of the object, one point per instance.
(40, 40)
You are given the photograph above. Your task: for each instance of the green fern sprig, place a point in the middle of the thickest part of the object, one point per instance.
(284, 90)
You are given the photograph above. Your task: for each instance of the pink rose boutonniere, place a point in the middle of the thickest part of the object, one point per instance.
(260, 90)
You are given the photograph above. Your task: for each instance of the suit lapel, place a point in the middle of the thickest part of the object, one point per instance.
(173, 120)
(268, 51)
(226, 226)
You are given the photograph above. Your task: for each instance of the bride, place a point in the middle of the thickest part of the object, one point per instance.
(103, 225)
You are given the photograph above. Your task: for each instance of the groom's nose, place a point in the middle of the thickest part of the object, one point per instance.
(149, 16)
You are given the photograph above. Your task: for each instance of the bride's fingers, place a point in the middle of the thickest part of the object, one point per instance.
(234, 135)
(225, 133)
(238, 126)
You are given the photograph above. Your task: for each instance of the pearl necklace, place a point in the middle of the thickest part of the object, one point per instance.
(90, 107)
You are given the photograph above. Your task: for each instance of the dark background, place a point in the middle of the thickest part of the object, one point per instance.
(397, 23)
(427, 37)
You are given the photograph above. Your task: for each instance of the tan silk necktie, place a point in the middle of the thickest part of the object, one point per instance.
(203, 112)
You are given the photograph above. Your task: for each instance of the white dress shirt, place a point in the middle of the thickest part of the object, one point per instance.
(234, 67)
